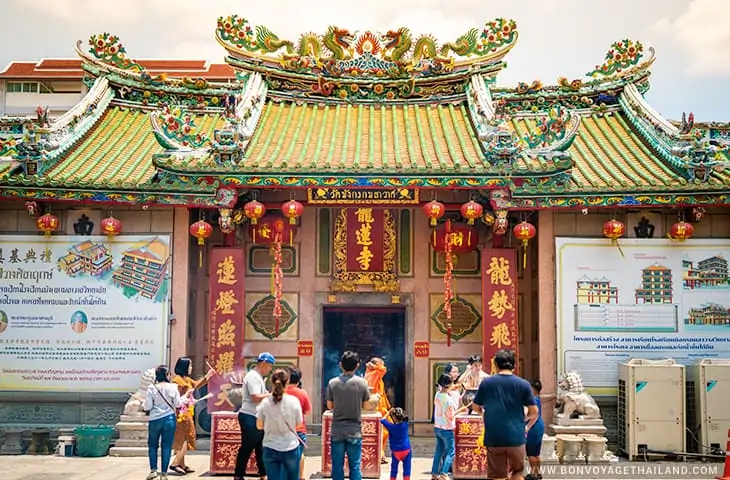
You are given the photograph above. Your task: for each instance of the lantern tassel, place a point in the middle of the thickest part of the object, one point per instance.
(200, 257)
(524, 254)
(292, 220)
(620, 250)
(448, 334)
(291, 237)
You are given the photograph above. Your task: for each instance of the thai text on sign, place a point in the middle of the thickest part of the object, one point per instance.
(373, 196)
(499, 301)
(225, 341)
(365, 239)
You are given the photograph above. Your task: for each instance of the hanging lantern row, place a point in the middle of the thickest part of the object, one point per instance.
(201, 230)
(613, 230)
(434, 210)
(681, 231)
(524, 232)
(111, 227)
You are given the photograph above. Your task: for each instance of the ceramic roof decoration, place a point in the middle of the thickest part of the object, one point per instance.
(365, 109)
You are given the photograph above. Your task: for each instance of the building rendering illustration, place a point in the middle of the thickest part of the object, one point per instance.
(656, 285)
(596, 291)
(87, 258)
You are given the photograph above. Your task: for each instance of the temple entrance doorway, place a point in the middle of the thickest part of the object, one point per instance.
(371, 332)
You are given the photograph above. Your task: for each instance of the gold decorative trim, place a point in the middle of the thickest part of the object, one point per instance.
(365, 196)
(346, 281)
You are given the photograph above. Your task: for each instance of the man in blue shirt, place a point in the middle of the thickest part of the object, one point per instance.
(502, 398)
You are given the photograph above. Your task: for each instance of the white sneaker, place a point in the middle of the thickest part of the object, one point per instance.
(152, 475)
(163, 476)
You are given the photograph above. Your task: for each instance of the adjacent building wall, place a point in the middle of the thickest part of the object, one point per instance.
(716, 224)
(49, 408)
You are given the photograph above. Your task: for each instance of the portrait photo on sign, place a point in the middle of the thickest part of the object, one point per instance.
(79, 322)
(3, 321)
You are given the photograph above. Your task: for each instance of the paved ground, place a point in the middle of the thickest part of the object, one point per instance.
(26, 467)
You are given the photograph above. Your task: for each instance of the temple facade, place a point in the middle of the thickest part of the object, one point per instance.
(374, 190)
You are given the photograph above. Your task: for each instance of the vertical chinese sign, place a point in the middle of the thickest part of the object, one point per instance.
(225, 317)
(499, 302)
(365, 239)
(364, 248)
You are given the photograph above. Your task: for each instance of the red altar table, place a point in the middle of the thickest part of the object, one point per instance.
(470, 460)
(225, 439)
(371, 451)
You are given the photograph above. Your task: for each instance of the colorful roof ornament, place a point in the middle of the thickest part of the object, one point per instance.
(394, 54)
(621, 56)
(176, 130)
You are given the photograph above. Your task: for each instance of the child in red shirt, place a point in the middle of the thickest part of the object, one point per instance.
(295, 388)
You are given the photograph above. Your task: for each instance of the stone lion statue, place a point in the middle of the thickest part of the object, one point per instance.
(573, 400)
(133, 406)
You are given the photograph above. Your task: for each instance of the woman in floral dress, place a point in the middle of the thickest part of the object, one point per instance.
(185, 430)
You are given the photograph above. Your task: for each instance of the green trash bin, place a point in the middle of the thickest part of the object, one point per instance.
(93, 441)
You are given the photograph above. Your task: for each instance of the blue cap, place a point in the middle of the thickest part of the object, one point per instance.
(266, 357)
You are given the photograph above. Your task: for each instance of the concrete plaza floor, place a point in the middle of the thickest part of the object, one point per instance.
(28, 467)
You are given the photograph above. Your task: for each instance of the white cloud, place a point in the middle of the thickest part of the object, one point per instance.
(703, 32)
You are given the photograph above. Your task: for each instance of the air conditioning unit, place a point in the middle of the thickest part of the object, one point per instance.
(708, 412)
(651, 408)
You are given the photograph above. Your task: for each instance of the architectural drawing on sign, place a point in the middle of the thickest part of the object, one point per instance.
(709, 314)
(87, 258)
(596, 291)
(143, 268)
(656, 285)
(711, 272)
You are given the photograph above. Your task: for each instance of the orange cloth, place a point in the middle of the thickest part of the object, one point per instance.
(374, 374)
(185, 429)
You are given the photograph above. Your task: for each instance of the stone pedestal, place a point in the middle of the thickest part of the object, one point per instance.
(132, 440)
(547, 451)
(13, 444)
(570, 449)
(40, 442)
(594, 449)
(576, 426)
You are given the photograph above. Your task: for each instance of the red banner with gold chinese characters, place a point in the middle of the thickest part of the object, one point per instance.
(225, 317)
(365, 240)
(499, 302)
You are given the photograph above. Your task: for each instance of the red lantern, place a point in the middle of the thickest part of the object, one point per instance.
(462, 238)
(471, 210)
(201, 230)
(292, 210)
(253, 211)
(111, 227)
(434, 210)
(681, 231)
(264, 233)
(613, 229)
(47, 224)
(524, 232)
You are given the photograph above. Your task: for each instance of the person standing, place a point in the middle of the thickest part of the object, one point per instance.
(503, 398)
(161, 403)
(253, 393)
(472, 378)
(278, 416)
(445, 410)
(346, 396)
(185, 431)
(295, 388)
(375, 370)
